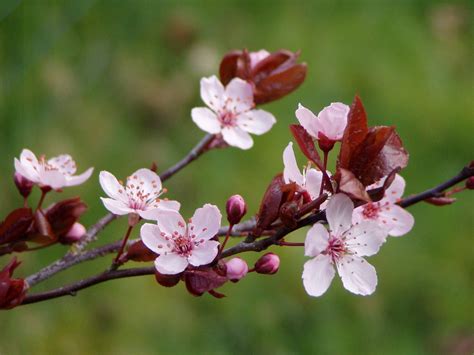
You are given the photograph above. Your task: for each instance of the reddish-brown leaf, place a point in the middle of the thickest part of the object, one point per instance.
(44, 234)
(200, 281)
(62, 215)
(440, 201)
(306, 144)
(139, 252)
(16, 225)
(351, 186)
(270, 205)
(228, 67)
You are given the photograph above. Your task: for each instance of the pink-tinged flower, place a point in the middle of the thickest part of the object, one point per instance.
(178, 244)
(310, 180)
(55, 173)
(236, 269)
(74, 234)
(386, 213)
(328, 125)
(342, 248)
(140, 195)
(231, 112)
(257, 57)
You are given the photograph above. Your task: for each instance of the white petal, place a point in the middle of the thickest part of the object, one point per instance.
(171, 223)
(168, 205)
(332, 120)
(204, 253)
(53, 178)
(116, 207)
(256, 57)
(27, 157)
(317, 275)
(26, 171)
(79, 179)
(316, 240)
(237, 137)
(112, 187)
(395, 190)
(397, 220)
(307, 119)
(148, 182)
(206, 120)
(291, 172)
(170, 264)
(365, 238)
(339, 213)
(357, 275)
(212, 93)
(256, 121)
(205, 223)
(64, 163)
(239, 95)
(151, 237)
(314, 178)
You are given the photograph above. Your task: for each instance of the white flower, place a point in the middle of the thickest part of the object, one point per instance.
(341, 248)
(140, 195)
(329, 124)
(310, 180)
(231, 112)
(386, 212)
(178, 244)
(55, 173)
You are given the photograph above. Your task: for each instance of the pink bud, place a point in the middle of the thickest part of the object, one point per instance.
(268, 264)
(236, 208)
(236, 269)
(75, 234)
(23, 185)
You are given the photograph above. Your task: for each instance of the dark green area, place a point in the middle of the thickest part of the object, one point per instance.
(113, 82)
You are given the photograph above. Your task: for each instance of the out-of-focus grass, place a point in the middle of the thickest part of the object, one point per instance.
(113, 82)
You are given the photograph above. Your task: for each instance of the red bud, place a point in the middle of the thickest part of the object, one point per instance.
(23, 185)
(236, 208)
(268, 264)
(12, 291)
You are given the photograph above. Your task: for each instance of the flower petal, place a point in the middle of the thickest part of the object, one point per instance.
(26, 171)
(206, 120)
(314, 178)
(256, 121)
(204, 254)
(316, 240)
(205, 223)
(332, 120)
(395, 190)
(237, 137)
(398, 221)
(53, 178)
(365, 238)
(239, 96)
(147, 182)
(116, 207)
(112, 187)
(307, 119)
(339, 213)
(317, 275)
(64, 163)
(79, 179)
(152, 238)
(171, 223)
(291, 172)
(212, 93)
(170, 264)
(357, 275)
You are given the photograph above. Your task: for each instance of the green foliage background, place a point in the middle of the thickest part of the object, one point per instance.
(112, 83)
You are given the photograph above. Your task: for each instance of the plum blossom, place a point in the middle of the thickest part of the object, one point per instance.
(342, 248)
(257, 57)
(386, 213)
(309, 180)
(55, 173)
(231, 112)
(328, 125)
(178, 244)
(140, 195)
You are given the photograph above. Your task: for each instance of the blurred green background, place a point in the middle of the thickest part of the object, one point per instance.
(113, 82)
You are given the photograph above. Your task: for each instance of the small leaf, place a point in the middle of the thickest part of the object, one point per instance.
(139, 252)
(350, 185)
(306, 144)
(200, 281)
(228, 67)
(44, 233)
(440, 201)
(270, 205)
(16, 225)
(63, 214)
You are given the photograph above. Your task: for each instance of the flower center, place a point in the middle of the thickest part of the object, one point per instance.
(227, 118)
(183, 246)
(138, 197)
(336, 248)
(371, 210)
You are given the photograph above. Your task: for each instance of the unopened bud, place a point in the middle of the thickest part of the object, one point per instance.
(75, 234)
(470, 183)
(268, 264)
(23, 185)
(236, 208)
(236, 269)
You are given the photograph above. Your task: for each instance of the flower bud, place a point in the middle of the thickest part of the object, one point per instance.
(268, 264)
(74, 234)
(12, 291)
(23, 185)
(470, 183)
(236, 208)
(236, 269)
